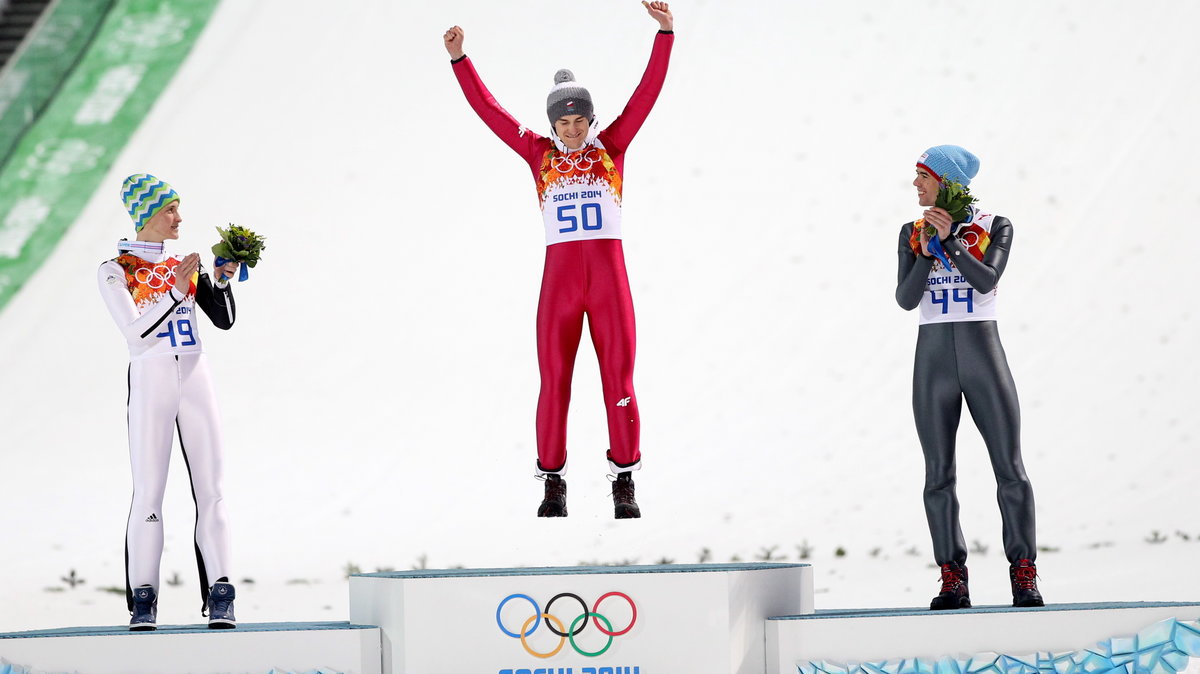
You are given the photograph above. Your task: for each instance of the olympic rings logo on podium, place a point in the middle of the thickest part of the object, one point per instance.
(558, 628)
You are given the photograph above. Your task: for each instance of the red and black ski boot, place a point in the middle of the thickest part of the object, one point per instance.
(1023, 576)
(954, 592)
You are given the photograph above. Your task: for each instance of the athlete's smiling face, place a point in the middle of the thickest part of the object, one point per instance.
(162, 225)
(927, 187)
(572, 130)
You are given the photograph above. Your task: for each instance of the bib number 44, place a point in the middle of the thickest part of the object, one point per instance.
(944, 297)
(586, 216)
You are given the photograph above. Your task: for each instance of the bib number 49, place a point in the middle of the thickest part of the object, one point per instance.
(943, 297)
(182, 329)
(588, 218)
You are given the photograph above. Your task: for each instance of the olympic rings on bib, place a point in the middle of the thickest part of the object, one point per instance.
(157, 277)
(558, 628)
(576, 161)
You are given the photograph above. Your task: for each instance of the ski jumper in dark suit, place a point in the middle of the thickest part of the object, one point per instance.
(959, 356)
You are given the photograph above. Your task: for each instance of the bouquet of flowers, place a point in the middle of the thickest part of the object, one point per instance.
(239, 244)
(955, 200)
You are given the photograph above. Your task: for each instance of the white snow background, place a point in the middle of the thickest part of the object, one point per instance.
(379, 388)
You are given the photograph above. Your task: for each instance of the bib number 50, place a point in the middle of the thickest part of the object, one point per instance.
(588, 218)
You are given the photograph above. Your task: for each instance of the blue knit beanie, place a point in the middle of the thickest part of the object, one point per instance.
(950, 162)
(144, 195)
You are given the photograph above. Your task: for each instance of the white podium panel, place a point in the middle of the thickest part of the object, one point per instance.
(699, 619)
(252, 648)
(1136, 637)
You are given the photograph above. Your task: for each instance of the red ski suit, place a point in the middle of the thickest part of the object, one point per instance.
(580, 196)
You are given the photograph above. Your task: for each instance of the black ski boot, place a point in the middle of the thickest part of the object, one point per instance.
(554, 504)
(624, 505)
(954, 592)
(1023, 576)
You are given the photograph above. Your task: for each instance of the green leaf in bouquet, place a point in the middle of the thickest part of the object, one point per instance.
(955, 199)
(240, 244)
(222, 250)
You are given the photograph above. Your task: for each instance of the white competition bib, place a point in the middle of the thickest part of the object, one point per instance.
(948, 296)
(580, 193)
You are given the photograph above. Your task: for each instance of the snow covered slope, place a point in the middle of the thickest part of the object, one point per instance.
(379, 388)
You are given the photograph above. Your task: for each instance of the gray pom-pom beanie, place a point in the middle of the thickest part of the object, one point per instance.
(567, 97)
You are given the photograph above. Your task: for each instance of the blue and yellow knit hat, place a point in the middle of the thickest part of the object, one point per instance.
(950, 161)
(144, 195)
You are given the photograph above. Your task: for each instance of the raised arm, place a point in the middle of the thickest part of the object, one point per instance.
(523, 141)
(912, 273)
(620, 133)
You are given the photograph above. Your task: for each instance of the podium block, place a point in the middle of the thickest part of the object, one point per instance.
(1139, 637)
(257, 648)
(700, 619)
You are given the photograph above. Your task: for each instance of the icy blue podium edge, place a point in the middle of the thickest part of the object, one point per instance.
(1167, 647)
(828, 614)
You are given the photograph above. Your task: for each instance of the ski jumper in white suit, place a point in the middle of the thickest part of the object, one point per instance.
(170, 390)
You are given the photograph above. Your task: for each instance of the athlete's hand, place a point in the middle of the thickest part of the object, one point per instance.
(660, 12)
(184, 272)
(924, 238)
(941, 221)
(454, 42)
(227, 270)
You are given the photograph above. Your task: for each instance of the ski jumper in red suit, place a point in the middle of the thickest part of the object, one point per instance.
(580, 197)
